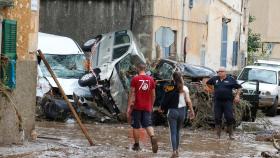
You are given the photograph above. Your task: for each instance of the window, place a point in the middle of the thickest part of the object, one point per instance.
(165, 71)
(202, 55)
(126, 71)
(121, 38)
(119, 51)
(234, 53)
(9, 39)
(223, 58)
(166, 52)
(64, 66)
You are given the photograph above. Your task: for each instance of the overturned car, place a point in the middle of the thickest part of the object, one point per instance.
(114, 56)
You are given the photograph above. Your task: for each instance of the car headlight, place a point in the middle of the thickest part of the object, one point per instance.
(267, 93)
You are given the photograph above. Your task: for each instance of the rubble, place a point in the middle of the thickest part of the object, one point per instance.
(203, 104)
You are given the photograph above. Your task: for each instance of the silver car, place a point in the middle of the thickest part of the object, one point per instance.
(115, 54)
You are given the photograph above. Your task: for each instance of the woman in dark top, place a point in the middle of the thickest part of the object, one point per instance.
(175, 101)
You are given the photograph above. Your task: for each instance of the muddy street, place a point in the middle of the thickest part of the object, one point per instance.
(115, 140)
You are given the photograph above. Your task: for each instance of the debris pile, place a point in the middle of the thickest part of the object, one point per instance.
(203, 105)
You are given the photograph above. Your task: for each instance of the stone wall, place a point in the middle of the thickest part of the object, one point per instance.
(83, 19)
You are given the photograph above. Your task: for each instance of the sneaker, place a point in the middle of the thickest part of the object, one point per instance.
(177, 154)
(154, 144)
(174, 154)
(136, 147)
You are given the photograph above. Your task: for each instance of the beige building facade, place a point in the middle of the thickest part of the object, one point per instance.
(267, 24)
(17, 116)
(209, 32)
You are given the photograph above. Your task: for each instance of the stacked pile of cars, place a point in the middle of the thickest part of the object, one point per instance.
(103, 92)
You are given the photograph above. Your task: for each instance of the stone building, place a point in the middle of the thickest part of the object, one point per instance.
(205, 32)
(19, 29)
(266, 14)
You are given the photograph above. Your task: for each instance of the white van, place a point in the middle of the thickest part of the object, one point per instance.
(66, 59)
(269, 86)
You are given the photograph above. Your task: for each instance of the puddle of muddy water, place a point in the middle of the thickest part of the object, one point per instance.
(115, 140)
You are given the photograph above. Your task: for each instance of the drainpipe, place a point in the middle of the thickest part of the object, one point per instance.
(183, 29)
(241, 32)
(132, 14)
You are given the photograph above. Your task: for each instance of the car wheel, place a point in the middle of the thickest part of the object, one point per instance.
(87, 80)
(88, 44)
(272, 111)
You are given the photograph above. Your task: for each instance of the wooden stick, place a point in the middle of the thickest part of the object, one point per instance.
(45, 137)
(65, 98)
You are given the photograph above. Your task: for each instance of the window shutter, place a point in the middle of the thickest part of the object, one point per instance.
(235, 53)
(223, 58)
(9, 40)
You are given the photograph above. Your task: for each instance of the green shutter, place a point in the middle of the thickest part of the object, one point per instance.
(9, 41)
(9, 47)
(8, 74)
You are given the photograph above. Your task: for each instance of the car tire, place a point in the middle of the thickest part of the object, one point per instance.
(88, 79)
(272, 111)
(88, 44)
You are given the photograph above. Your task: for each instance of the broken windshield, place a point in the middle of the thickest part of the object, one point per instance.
(64, 66)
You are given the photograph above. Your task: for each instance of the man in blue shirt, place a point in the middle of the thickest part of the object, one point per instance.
(223, 99)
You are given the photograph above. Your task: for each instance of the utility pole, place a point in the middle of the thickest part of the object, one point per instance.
(132, 14)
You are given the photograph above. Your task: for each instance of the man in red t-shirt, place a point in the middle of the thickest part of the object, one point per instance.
(140, 106)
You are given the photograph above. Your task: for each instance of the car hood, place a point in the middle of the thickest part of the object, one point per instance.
(69, 86)
(263, 87)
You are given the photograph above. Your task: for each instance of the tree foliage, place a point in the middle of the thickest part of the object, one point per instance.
(254, 42)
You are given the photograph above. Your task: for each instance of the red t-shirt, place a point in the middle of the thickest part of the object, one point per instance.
(144, 86)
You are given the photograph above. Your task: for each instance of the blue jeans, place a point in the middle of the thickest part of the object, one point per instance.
(176, 119)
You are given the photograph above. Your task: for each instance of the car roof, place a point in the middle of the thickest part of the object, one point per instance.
(54, 44)
(263, 67)
(193, 70)
(273, 62)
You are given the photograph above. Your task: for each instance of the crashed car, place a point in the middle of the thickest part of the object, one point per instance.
(66, 59)
(114, 56)
(194, 76)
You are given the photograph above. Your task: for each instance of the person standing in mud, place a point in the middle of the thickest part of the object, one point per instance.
(176, 101)
(140, 104)
(223, 99)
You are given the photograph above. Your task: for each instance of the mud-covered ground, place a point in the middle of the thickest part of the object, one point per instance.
(114, 140)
